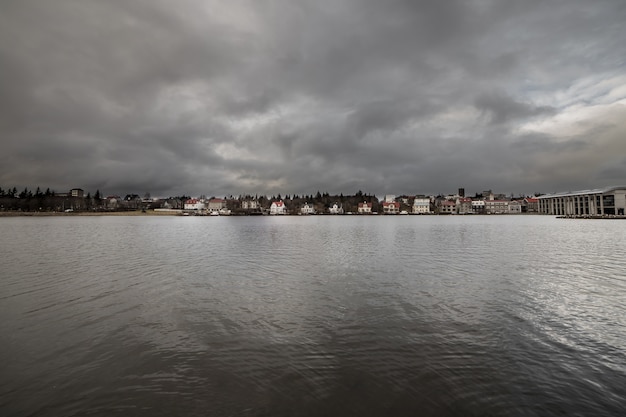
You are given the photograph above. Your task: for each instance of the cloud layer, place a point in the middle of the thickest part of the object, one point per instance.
(212, 97)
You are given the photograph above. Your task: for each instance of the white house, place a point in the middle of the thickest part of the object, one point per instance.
(421, 205)
(194, 204)
(335, 209)
(365, 208)
(307, 209)
(277, 207)
(392, 207)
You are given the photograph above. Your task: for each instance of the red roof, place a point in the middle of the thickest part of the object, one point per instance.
(392, 203)
(365, 204)
(216, 200)
(279, 203)
(191, 201)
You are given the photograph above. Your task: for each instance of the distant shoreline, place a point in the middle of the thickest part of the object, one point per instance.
(178, 213)
(85, 213)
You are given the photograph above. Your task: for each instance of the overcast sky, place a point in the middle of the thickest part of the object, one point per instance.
(296, 96)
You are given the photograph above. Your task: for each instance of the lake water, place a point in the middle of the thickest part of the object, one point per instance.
(312, 316)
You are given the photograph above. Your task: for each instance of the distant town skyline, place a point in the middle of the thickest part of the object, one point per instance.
(248, 97)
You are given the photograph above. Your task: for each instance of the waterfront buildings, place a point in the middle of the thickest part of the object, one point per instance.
(365, 208)
(421, 205)
(277, 208)
(447, 207)
(392, 207)
(496, 206)
(464, 205)
(597, 202)
(216, 204)
(478, 206)
(307, 209)
(250, 204)
(194, 204)
(336, 208)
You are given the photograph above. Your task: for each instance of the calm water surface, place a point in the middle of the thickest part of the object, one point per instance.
(312, 316)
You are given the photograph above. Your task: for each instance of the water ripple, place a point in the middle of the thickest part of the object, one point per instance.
(312, 316)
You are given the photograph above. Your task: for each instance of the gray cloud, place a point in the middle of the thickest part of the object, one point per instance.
(293, 97)
(501, 108)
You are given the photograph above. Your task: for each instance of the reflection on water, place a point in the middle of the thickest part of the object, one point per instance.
(312, 316)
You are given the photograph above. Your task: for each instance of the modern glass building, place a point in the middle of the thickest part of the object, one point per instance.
(607, 201)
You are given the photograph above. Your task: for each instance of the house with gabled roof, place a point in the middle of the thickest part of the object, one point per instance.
(365, 208)
(336, 208)
(277, 208)
(515, 207)
(532, 205)
(392, 207)
(447, 207)
(464, 205)
(307, 209)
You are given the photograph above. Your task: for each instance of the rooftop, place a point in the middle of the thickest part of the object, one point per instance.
(583, 192)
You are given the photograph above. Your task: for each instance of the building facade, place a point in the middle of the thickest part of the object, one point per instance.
(250, 205)
(307, 209)
(194, 204)
(464, 205)
(392, 207)
(336, 208)
(608, 201)
(277, 208)
(421, 205)
(447, 207)
(217, 204)
(497, 206)
(365, 208)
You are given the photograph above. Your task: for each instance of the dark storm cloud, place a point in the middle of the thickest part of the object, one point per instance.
(211, 97)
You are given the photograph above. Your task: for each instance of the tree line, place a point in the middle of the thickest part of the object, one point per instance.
(12, 199)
